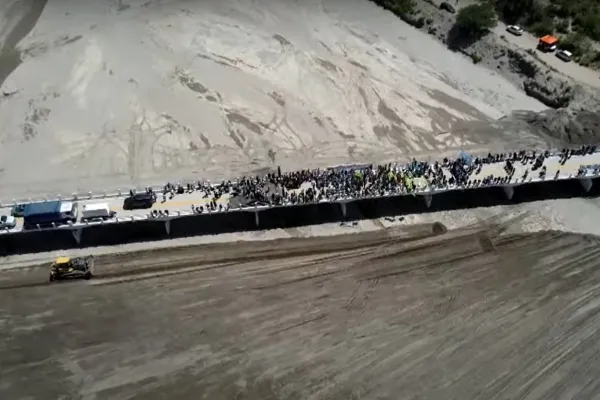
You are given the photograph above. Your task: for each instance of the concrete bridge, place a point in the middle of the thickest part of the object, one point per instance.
(136, 228)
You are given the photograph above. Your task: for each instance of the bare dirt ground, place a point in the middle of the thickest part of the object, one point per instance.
(113, 93)
(466, 314)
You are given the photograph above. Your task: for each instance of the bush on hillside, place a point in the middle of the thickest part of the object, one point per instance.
(589, 24)
(404, 9)
(514, 11)
(562, 26)
(539, 16)
(398, 7)
(543, 27)
(476, 20)
(576, 43)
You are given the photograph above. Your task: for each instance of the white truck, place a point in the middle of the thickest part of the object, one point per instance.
(96, 211)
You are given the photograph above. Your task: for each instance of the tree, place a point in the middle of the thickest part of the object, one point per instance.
(513, 11)
(476, 20)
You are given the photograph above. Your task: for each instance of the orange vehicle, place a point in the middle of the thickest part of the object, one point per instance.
(547, 43)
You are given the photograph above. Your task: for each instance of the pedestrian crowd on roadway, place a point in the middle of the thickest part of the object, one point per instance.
(331, 184)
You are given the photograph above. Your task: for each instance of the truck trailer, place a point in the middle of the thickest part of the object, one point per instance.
(96, 211)
(49, 213)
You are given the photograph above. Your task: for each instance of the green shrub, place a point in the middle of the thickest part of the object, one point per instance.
(539, 16)
(576, 43)
(476, 58)
(398, 7)
(514, 11)
(562, 26)
(477, 19)
(543, 27)
(589, 24)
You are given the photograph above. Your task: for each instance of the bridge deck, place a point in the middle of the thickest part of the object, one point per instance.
(184, 202)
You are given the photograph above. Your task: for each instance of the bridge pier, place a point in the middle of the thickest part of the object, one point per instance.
(77, 235)
(168, 227)
(509, 191)
(428, 199)
(344, 210)
(586, 183)
(256, 219)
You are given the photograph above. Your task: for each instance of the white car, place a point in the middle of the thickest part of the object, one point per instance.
(564, 55)
(7, 222)
(515, 30)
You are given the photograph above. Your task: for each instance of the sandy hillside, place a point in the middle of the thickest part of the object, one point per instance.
(110, 93)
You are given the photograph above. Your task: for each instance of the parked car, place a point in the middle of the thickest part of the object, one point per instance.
(564, 55)
(547, 43)
(515, 30)
(448, 7)
(8, 222)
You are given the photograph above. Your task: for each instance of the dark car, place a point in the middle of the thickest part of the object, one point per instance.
(139, 200)
(448, 7)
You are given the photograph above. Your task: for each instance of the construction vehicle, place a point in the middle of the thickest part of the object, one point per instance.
(71, 268)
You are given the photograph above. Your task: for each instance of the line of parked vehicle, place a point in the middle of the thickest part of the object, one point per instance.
(547, 43)
(58, 212)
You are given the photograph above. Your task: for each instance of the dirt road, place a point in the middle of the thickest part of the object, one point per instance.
(389, 314)
(573, 70)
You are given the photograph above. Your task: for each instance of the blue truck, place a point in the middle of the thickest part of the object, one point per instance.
(47, 213)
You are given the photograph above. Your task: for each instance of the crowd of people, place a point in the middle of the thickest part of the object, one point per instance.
(331, 184)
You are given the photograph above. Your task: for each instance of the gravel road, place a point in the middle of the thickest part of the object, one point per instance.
(573, 70)
(460, 315)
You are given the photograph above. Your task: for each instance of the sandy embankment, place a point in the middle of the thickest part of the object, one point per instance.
(145, 92)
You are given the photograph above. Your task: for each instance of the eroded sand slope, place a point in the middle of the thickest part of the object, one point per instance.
(392, 314)
(111, 93)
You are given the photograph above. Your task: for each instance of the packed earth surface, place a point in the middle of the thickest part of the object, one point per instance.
(413, 313)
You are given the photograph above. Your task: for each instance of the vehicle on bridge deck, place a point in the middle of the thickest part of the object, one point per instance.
(49, 213)
(71, 268)
(96, 211)
(139, 200)
(8, 222)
